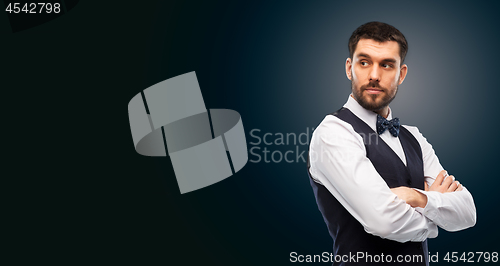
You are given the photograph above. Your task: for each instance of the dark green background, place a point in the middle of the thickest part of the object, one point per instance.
(84, 196)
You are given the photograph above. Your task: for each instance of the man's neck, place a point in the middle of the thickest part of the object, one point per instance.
(384, 112)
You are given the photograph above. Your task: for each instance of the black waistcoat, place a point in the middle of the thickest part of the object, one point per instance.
(348, 234)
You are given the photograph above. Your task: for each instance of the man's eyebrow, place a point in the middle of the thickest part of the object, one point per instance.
(363, 55)
(387, 60)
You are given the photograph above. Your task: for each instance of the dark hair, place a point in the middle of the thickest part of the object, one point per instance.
(380, 32)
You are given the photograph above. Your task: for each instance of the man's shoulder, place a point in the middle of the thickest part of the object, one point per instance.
(417, 134)
(330, 120)
(413, 130)
(332, 125)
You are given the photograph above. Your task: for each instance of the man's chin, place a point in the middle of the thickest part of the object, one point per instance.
(371, 104)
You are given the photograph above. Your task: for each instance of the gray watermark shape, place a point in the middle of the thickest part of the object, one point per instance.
(205, 146)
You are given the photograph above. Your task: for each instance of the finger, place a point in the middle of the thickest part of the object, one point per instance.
(453, 186)
(426, 187)
(447, 182)
(440, 177)
(460, 188)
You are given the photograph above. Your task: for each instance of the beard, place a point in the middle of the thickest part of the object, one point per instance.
(373, 102)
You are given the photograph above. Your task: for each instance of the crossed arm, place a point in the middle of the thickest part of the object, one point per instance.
(401, 214)
(444, 201)
(450, 206)
(442, 184)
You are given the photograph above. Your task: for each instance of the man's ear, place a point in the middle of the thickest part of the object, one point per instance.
(402, 73)
(348, 68)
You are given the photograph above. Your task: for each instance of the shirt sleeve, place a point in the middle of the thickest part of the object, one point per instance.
(338, 161)
(452, 211)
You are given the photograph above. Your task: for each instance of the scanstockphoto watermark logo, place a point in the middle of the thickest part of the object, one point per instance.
(205, 146)
(293, 147)
(355, 257)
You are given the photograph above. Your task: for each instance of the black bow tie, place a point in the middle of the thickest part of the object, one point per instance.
(383, 124)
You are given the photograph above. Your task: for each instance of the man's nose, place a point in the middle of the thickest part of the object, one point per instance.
(375, 74)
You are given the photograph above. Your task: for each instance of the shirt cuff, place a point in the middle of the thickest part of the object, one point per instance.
(431, 209)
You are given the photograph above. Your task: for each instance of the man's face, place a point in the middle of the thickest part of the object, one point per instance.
(375, 73)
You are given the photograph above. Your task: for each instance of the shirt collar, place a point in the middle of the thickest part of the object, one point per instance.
(369, 117)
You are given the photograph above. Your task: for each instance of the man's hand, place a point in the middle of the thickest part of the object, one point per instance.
(411, 196)
(444, 183)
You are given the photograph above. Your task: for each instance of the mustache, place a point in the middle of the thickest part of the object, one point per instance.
(373, 85)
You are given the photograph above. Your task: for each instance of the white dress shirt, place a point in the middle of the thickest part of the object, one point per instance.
(338, 161)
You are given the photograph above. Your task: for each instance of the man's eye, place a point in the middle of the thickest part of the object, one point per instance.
(386, 66)
(363, 63)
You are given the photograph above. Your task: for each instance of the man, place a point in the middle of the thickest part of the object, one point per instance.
(379, 185)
